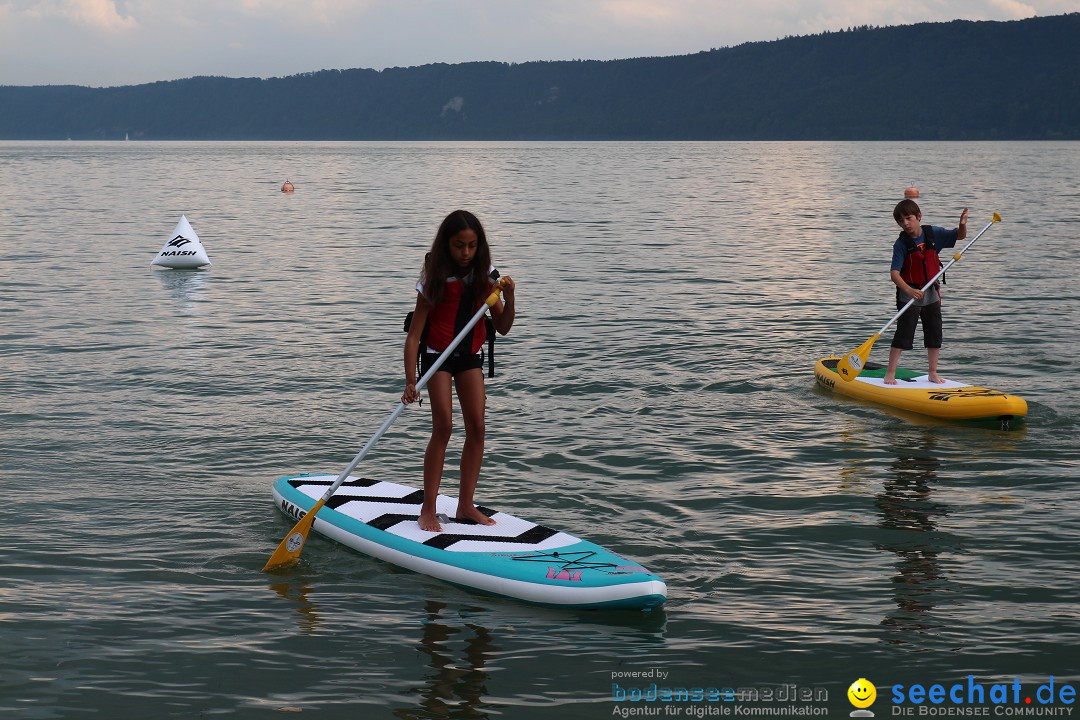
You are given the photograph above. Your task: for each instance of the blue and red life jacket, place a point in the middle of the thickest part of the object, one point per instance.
(450, 317)
(921, 261)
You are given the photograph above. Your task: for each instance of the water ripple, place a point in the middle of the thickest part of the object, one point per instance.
(656, 396)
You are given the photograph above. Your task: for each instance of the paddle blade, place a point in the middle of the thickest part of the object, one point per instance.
(288, 551)
(853, 363)
(996, 218)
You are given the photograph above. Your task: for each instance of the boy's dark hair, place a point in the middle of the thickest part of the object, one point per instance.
(907, 206)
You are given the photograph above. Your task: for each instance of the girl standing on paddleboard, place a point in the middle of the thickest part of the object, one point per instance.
(457, 277)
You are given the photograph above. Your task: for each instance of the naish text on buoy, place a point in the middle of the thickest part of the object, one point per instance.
(183, 249)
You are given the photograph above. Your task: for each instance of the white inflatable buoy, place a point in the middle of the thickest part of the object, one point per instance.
(183, 249)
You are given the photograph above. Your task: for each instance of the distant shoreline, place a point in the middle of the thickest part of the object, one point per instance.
(975, 81)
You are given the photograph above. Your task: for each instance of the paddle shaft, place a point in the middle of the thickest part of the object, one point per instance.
(288, 551)
(443, 357)
(934, 279)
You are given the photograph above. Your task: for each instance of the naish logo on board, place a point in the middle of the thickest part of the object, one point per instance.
(826, 381)
(289, 509)
(945, 395)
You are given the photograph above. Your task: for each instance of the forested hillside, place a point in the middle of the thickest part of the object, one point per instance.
(959, 80)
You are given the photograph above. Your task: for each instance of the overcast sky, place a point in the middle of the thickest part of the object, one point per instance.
(125, 42)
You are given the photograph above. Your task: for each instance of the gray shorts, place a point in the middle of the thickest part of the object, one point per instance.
(930, 315)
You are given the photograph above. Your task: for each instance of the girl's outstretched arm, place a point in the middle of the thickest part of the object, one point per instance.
(502, 312)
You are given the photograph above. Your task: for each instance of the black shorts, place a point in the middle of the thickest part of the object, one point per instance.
(931, 325)
(458, 361)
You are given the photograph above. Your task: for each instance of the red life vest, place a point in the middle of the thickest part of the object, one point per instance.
(451, 315)
(921, 262)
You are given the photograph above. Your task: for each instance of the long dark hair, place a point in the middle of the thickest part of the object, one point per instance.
(439, 265)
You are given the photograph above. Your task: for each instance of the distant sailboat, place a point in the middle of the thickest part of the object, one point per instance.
(126, 137)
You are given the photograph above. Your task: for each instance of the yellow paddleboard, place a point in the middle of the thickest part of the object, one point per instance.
(913, 392)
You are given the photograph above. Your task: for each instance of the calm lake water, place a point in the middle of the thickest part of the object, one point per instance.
(656, 395)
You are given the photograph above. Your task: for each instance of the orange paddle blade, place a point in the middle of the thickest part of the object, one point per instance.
(854, 362)
(288, 551)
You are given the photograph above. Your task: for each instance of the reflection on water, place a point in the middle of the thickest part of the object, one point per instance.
(457, 684)
(656, 398)
(184, 285)
(309, 618)
(911, 516)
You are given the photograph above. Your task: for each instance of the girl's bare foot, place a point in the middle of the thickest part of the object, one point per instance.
(471, 513)
(429, 522)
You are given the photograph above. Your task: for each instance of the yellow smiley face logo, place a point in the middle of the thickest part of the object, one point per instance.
(862, 693)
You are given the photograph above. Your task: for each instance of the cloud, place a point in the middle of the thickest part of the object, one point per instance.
(1014, 9)
(99, 14)
(639, 11)
(286, 14)
(114, 42)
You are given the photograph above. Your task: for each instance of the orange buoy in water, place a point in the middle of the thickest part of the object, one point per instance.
(911, 192)
(287, 187)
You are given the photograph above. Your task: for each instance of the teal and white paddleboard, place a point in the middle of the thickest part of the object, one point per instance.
(514, 557)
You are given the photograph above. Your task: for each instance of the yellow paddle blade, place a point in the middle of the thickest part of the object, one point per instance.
(288, 551)
(996, 218)
(853, 363)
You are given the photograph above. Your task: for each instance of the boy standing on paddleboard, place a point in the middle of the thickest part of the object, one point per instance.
(914, 262)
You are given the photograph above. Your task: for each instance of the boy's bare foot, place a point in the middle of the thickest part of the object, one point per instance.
(429, 522)
(890, 380)
(935, 378)
(471, 513)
